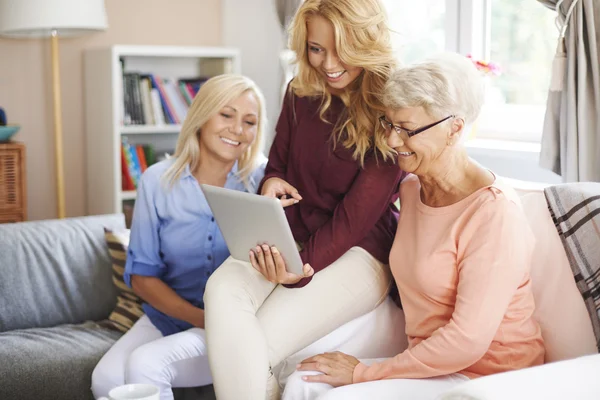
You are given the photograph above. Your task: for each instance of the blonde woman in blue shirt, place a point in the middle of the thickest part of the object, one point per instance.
(175, 243)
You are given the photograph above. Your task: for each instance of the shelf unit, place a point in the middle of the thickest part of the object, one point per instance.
(103, 93)
(149, 129)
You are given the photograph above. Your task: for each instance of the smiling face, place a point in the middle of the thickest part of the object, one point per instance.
(420, 153)
(322, 55)
(228, 134)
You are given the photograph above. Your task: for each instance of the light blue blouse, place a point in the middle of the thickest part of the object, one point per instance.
(174, 237)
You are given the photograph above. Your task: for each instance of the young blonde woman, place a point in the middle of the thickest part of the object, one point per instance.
(175, 243)
(337, 182)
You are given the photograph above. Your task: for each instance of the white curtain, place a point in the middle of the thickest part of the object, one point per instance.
(285, 11)
(571, 137)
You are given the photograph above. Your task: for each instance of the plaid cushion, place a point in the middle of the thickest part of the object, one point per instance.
(129, 305)
(575, 209)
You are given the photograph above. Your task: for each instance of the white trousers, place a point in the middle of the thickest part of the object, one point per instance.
(253, 324)
(144, 355)
(388, 389)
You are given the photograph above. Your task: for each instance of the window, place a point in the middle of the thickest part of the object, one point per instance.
(520, 36)
(420, 32)
(523, 39)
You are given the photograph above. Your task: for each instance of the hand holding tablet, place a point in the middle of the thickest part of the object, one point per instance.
(249, 220)
(268, 261)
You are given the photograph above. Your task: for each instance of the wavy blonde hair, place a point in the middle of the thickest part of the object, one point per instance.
(362, 38)
(214, 94)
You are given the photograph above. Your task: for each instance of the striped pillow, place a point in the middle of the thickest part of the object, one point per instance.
(129, 305)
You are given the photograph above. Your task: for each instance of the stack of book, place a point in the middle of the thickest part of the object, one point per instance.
(149, 99)
(135, 159)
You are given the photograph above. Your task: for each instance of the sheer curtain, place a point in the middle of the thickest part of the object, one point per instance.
(571, 137)
(285, 12)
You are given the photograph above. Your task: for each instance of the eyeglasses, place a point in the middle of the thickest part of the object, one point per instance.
(405, 134)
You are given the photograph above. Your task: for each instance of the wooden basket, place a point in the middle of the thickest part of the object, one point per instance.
(12, 182)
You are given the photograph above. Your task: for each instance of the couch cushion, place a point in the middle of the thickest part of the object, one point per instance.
(575, 211)
(52, 363)
(567, 380)
(55, 272)
(560, 310)
(129, 305)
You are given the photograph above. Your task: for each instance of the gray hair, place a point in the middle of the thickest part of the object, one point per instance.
(447, 84)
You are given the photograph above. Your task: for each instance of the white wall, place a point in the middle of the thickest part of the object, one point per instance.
(253, 27)
(26, 91)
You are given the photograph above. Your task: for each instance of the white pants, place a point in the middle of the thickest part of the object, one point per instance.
(377, 334)
(253, 324)
(144, 355)
(388, 389)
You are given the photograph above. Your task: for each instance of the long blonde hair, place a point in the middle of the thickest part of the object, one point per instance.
(214, 94)
(362, 39)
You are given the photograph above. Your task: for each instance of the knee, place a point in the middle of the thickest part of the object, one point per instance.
(141, 367)
(298, 389)
(294, 379)
(217, 291)
(358, 392)
(215, 288)
(227, 284)
(104, 379)
(334, 394)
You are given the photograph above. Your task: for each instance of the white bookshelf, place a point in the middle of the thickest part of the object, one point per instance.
(103, 91)
(149, 129)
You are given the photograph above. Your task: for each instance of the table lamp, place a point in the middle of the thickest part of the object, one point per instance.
(53, 19)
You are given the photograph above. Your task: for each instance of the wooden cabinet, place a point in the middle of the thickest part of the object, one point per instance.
(13, 206)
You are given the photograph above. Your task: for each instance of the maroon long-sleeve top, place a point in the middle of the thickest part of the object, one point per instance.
(343, 205)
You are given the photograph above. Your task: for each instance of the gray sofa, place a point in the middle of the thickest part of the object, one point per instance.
(55, 285)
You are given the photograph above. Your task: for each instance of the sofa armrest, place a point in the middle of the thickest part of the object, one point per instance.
(571, 379)
(525, 187)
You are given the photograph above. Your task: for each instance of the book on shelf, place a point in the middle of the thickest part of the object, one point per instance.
(135, 159)
(150, 99)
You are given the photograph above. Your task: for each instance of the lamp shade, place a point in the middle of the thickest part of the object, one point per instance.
(38, 18)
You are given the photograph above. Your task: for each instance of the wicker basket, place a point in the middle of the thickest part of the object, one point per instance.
(12, 182)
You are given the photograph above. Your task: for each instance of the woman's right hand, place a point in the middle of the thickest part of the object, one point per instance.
(268, 261)
(276, 187)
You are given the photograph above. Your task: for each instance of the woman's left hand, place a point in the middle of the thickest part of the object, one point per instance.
(337, 368)
(269, 262)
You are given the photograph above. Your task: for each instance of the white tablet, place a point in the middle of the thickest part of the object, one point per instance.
(247, 220)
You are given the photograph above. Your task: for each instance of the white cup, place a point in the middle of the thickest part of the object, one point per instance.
(134, 391)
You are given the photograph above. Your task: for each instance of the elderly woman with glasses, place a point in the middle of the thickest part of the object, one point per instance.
(461, 257)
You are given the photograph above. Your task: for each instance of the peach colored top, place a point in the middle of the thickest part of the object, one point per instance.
(463, 276)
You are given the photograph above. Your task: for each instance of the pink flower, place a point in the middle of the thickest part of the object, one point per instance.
(486, 67)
